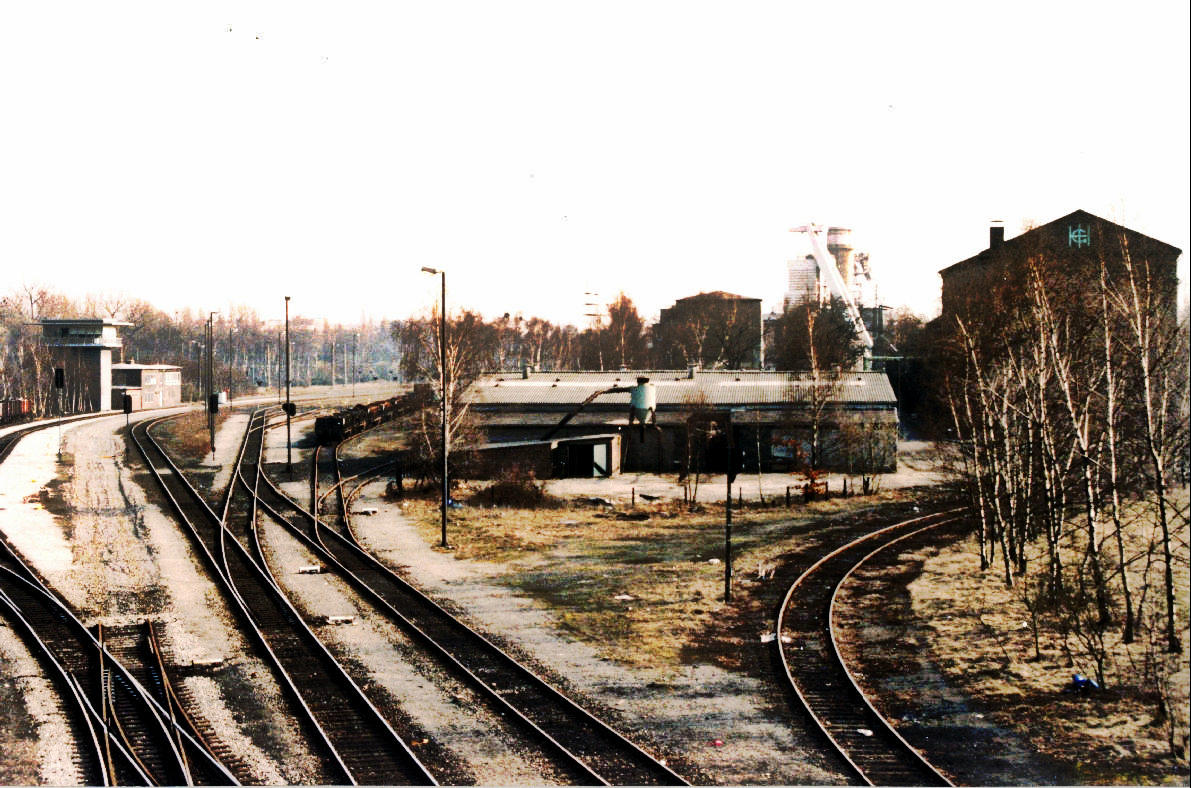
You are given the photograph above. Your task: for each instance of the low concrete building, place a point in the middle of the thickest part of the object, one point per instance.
(149, 385)
(776, 420)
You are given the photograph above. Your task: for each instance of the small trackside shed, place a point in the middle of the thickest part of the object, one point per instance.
(778, 421)
(149, 385)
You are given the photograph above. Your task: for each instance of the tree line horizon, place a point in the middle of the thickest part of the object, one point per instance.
(249, 349)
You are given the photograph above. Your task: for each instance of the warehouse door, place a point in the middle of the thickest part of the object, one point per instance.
(599, 460)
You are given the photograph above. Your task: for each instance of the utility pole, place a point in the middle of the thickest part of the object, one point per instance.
(442, 382)
(595, 314)
(289, 406)
(355, 369)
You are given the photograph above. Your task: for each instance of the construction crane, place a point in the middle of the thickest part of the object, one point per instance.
(829, 271)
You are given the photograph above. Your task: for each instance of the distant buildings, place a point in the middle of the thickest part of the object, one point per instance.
(710, 330)
(806, 283)
(149, 385)
(82, 349)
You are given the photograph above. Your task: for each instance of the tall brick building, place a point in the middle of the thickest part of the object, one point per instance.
(992, 282)
(714, 330)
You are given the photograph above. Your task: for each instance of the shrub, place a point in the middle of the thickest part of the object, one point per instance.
(516, 490)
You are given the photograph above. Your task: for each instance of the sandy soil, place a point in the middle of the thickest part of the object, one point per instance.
(117, 557)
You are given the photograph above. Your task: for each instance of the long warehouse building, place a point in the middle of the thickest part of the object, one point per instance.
(783, 421)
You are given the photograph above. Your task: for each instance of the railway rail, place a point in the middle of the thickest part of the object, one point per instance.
(122, 734)
(178, 701)
(806, 644)
(590, 750)
(356, 743)
(9, 439)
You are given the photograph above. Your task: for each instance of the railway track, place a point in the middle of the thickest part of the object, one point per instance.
(9, 440)
(178, 701)
(356, 743)
(123, 734)
(91, 757)
(812, 665)
(584, 746)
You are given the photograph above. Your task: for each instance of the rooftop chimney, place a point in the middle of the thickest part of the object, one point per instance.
(996, 234)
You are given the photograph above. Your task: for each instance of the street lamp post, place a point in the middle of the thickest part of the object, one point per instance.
(442, 388)
(289, 452)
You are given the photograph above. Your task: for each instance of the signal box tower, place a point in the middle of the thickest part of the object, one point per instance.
(82, 347)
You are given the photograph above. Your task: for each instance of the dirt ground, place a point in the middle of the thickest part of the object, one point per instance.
(678, 710)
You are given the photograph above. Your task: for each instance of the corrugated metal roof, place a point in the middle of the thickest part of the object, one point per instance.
(145, 366)
(676, 389)
(616, 419)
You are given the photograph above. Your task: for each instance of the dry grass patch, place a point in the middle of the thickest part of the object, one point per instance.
(187, 435)
(984, 641)
(645, 592)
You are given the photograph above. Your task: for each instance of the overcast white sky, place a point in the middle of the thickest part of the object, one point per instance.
(201, 154)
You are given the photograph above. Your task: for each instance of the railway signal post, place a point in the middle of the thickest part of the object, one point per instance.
(59, 384)
(212, 397)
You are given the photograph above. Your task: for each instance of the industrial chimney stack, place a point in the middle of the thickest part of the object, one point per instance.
(839, 245)
(996, 234)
